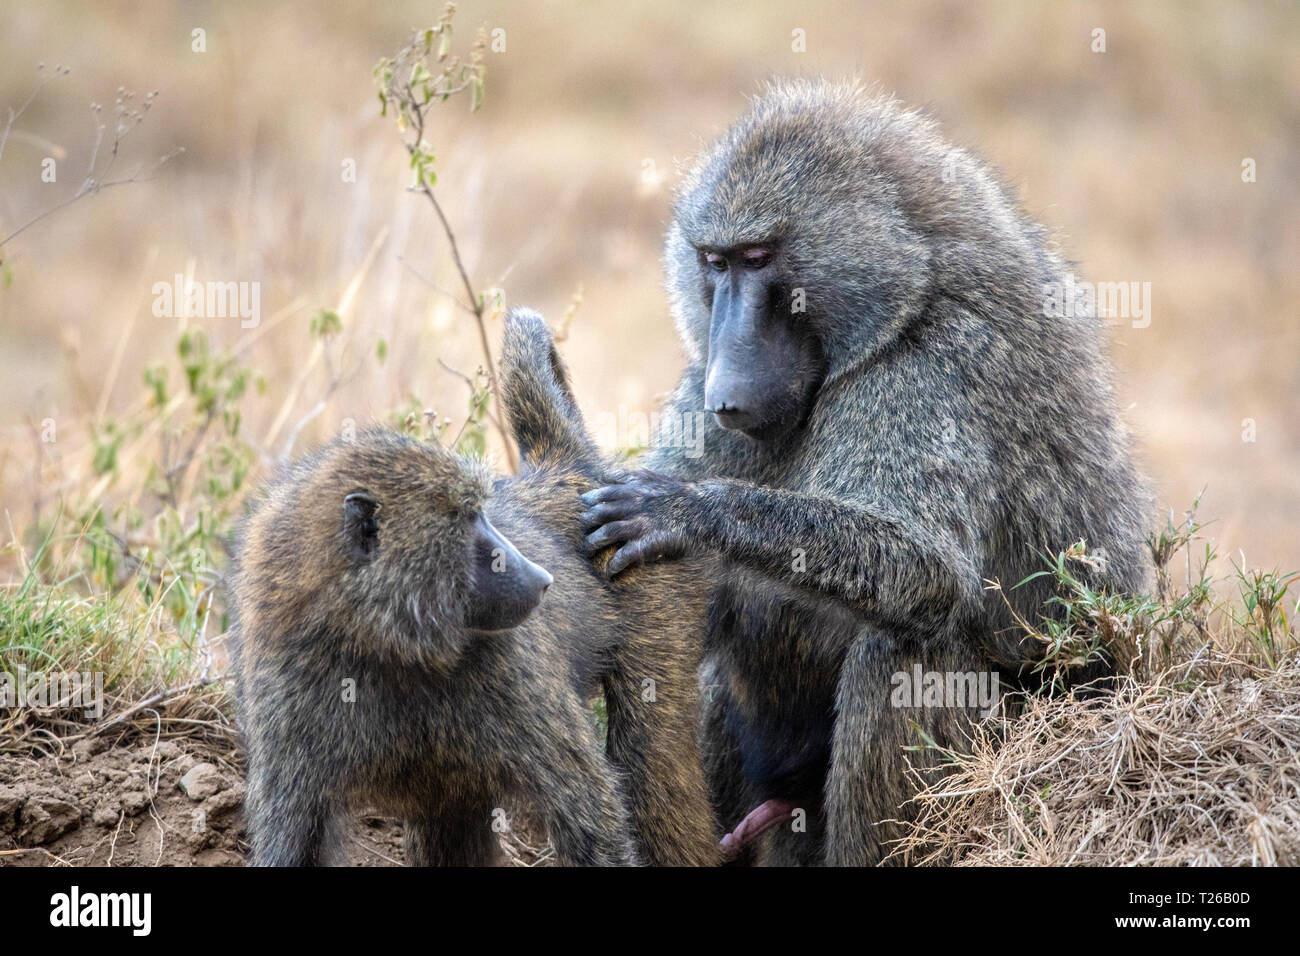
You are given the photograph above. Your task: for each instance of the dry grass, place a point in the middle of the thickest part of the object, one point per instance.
(1170, 771)
(152, 683)
(1190, 756)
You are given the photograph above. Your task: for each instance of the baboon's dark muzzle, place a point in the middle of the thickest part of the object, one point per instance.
(751, 356)
(506, 586)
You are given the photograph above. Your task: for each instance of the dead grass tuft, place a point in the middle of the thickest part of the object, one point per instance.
(1180, 769)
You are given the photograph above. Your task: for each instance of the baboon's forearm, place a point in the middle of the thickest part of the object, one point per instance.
(890, 570)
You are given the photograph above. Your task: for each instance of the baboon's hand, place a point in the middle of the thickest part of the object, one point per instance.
(643, 514)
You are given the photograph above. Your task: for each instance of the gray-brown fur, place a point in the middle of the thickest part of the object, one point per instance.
(447, 724)
(654, 617)
(953, 433)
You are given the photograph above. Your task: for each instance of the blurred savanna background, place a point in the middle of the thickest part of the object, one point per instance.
(1160, 150)
(559, 189)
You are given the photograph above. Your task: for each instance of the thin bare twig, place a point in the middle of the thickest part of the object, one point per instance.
(411, 96)
(40, 85)
(475, 301)
(147, 703)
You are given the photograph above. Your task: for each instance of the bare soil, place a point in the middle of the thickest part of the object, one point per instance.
(123, 804)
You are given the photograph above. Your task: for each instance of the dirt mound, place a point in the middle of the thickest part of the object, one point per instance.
(155, 803)
(167, 803)
(120, 805)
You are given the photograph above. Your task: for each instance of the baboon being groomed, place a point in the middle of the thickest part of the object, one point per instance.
(901, 410)
(394, 649)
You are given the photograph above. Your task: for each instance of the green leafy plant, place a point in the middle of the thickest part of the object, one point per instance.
(423, 73)
(1143, 634)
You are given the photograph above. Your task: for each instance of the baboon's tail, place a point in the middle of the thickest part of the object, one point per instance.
(538, 400)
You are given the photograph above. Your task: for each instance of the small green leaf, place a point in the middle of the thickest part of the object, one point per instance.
(326, 322)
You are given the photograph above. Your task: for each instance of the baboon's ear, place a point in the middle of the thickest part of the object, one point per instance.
(360, 529)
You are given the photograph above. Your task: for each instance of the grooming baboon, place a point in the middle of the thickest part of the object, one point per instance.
(896, 418)
(389, 652)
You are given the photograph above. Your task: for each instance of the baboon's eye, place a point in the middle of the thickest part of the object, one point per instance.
(756, 257)
(716, 261)
(462, 515)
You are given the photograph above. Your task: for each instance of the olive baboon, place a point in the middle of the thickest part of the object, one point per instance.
(388, 650)
(896, 418)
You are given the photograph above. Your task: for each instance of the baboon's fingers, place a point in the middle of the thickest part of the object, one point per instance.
(614, 492)
(649, 547)
(615, 476)
(616, 532)
(631, 555)
(607, 512)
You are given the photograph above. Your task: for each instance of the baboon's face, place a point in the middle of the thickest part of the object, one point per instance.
(420, 547)
(764, 362)
(793, 253)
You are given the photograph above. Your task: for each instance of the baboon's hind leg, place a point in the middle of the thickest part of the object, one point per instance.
(869, 786)
(575, 790)
(292, 820)
(653, 737)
